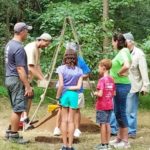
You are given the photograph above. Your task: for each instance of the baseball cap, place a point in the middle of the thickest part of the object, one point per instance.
(128, 36)
(72, 45)
(21, 26)
(45, 36)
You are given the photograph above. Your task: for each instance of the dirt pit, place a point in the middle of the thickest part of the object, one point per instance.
(47, 124)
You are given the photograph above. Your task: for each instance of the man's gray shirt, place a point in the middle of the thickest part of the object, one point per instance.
(15, 56)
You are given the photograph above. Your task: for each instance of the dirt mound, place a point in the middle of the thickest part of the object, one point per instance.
(49, 121)
(52, 139)
(47, 124)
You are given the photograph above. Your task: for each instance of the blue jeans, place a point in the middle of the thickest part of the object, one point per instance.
(113, 123)
(132, 108)
(120, 99)
(103, 116)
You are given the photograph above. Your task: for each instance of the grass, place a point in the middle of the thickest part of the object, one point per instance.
(87, 140)
(144, 102)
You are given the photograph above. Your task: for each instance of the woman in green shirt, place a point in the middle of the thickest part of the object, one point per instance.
(119, 71)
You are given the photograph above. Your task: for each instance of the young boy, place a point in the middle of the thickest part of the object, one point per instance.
(104, 104)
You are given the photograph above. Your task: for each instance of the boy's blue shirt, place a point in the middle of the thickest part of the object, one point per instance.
(85, 68)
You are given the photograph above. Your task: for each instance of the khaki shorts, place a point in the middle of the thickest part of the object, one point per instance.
(81, 101)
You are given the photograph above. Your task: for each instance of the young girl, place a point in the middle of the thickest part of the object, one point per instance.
(70, 80)
(104, 105)
(86, 71)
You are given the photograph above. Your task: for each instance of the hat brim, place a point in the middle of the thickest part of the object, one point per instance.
(29, 27)
(40, 38)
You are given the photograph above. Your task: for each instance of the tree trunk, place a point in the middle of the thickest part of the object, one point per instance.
(105, 18)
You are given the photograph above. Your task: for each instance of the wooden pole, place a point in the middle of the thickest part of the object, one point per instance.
(105, 18)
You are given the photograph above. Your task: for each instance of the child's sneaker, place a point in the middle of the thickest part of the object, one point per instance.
(108, 147)
(122, 144)
(97, 146)
(57, 132)
(77, 133)
(115, 141)
(102, 147)
(64, 148)
(70, 148)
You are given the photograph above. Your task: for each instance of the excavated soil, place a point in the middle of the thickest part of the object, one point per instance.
(48, 122)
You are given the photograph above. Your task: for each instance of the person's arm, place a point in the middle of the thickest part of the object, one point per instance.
(60, 86)
(78, 86)
(34, 68)
(85, 68)
(144, 74)
(85, 76)
(98, 93)
(40, 70)
(124, 70)
(36, 71)
(24, 79)
(114, 93)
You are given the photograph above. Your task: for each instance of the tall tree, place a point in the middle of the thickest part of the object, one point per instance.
(105, 19)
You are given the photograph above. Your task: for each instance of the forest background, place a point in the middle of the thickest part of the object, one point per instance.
(94, 20)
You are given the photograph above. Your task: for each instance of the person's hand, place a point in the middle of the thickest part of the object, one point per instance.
(42, 83)
(125, 74)
(28, 91)
(95, 93)
(143, 93)
(58, 101)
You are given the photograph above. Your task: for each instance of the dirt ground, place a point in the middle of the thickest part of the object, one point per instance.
(42, 139)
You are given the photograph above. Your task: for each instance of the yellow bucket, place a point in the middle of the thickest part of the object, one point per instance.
(52, 107)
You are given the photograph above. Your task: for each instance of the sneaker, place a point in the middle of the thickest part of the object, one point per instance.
(77, 133)
(115, 141)
(70, 148)
(108, 147)
(122, 144)
(15, 138)
(26, 120)
(132, 136)
(57, 132)
(8, 133)
(63, 148)
(113, 134)
(97, 146)
(102, 147)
